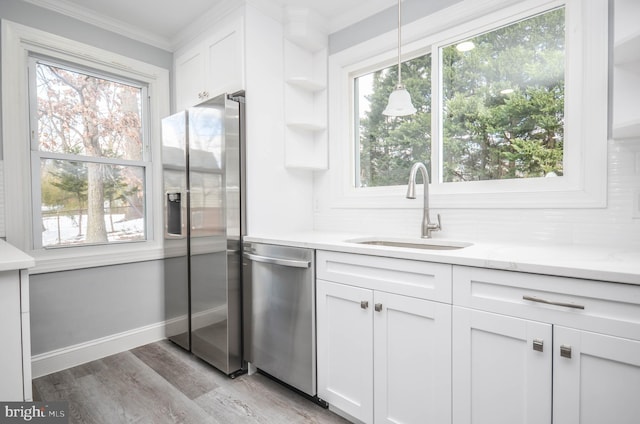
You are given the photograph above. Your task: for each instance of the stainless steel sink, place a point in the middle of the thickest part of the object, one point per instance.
(424, 244)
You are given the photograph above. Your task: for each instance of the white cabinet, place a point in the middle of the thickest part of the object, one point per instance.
(15, 354)
(213, 66)
(518, 338)
(501, 369)
(345, 348)
(403, 341)
(596, 378)
(412, 360)
(383, 357)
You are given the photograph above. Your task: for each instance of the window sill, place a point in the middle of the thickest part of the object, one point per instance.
(66, 259)
(504, 194)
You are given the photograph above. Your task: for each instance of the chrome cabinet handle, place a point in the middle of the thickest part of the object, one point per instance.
(278, 261)
(550, 302)
(565, 351)
(378, 307)
(364, 304)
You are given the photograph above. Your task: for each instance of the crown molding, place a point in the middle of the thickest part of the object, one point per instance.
(89, 16)
(219, 10)
(205, 22)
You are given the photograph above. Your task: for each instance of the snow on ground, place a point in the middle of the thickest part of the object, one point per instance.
(65, 227)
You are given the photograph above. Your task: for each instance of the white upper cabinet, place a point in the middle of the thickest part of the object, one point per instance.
(213, 66)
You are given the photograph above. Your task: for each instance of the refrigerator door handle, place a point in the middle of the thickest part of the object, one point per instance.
(278, 261)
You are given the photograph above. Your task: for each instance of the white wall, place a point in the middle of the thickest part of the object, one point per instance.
(615, 225)
(279, 200)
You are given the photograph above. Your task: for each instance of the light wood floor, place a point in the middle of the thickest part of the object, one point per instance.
(161, 383)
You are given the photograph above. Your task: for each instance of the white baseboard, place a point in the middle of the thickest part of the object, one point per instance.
(67, 357)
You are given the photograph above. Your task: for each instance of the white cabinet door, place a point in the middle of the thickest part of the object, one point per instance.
(225, 63)
(212, 67)
(599, 382)
(190, 78)
(412, 360)
(11, 384)
(345, 348)
(500, 376)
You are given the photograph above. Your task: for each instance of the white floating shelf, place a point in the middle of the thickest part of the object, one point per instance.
(627, 50)
(624, 130)
(306, 84)
(320, 166)
(307, 126)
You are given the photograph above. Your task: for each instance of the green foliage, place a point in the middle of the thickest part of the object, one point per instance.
(503, 109)
(70, 178)
(390, 145)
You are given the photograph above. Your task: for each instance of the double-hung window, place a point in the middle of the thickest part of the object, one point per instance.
(89, 156)
(511, 109)
(81, 144)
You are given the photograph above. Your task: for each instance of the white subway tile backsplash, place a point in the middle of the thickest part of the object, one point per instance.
(613, 225)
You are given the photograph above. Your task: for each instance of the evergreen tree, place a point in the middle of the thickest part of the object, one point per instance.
(503, 109)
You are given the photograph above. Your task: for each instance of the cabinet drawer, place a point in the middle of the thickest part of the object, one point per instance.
(425, 280)
(597, 306)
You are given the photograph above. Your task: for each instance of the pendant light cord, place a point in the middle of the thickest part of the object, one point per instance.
(399, 43)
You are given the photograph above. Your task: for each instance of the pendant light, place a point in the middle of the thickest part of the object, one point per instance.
(399, 99)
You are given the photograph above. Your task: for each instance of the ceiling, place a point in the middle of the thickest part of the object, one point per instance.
(163, 23)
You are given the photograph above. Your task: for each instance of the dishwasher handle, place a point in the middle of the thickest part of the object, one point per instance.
(278, 261)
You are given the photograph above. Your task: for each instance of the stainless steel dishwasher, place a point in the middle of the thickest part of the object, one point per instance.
(279, 313)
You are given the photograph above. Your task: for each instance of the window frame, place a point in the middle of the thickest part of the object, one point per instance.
(19, 42)
(38, 155)
(586, 119)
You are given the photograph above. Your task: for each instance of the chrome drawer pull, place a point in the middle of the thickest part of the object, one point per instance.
(538, 345)
(549, 302)
(364, 304)
(565, 351)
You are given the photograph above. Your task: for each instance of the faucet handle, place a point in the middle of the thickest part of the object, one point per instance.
(435, 227)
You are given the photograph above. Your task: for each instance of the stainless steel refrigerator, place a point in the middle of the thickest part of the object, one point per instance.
(203, 172)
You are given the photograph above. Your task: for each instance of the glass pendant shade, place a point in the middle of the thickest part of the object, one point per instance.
(399, 103)
(399, 100)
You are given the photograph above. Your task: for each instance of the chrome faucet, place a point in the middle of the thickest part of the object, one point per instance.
(427, 225)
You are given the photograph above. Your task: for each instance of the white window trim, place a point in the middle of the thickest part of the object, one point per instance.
(586, 123)
(17, 41)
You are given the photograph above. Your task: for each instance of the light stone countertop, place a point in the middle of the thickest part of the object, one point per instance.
(12, 258)
(595, 263)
